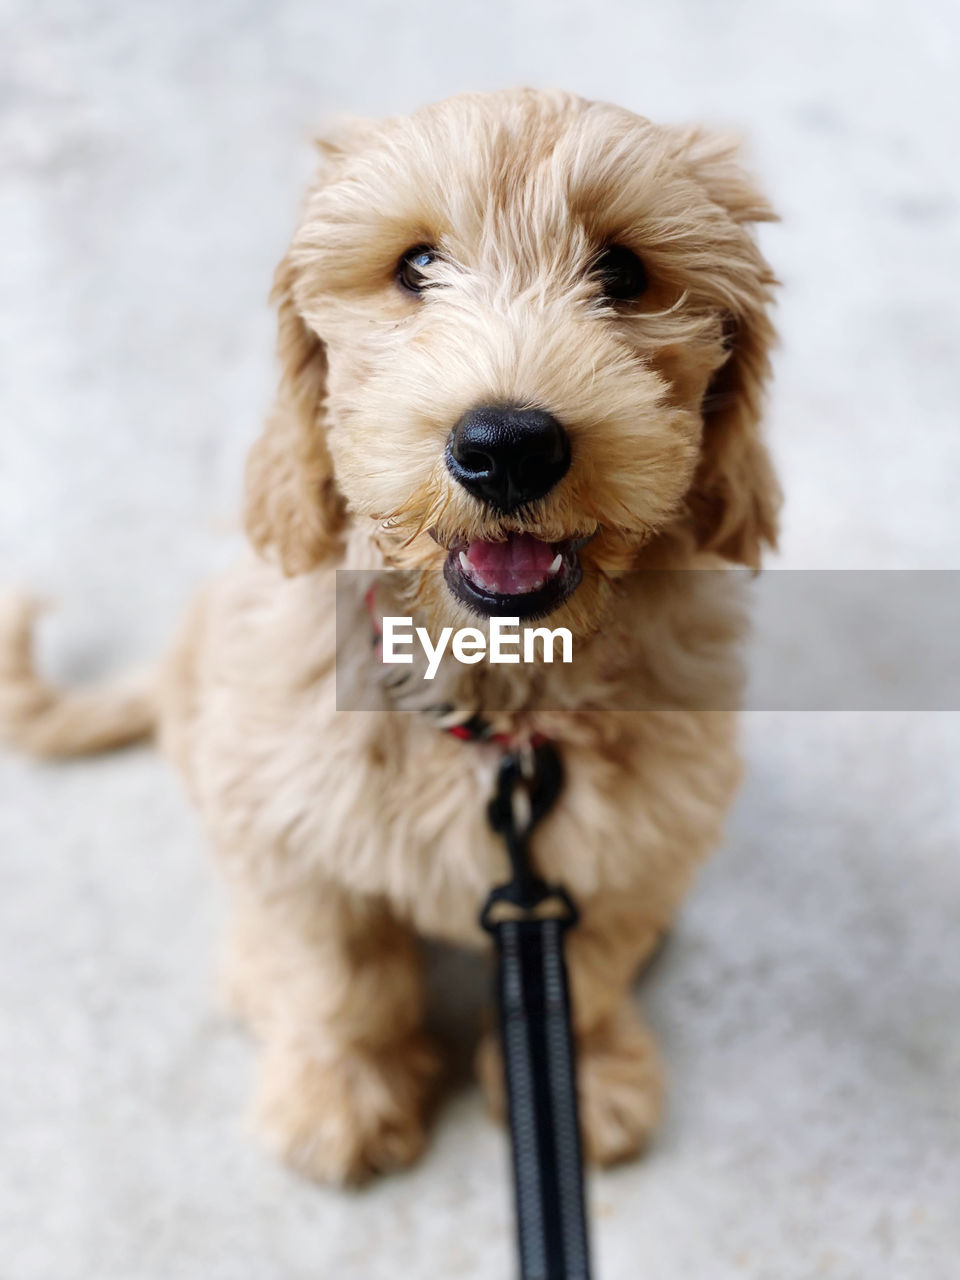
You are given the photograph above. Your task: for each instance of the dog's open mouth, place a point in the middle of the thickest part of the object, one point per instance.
(522, 577)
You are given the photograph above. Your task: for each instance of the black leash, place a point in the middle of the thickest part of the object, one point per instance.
(528, 919)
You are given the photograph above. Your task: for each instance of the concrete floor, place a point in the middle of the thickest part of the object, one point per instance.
(809, 1001)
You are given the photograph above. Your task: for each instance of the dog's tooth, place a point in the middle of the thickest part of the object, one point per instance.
(555, 566)
(464, 562)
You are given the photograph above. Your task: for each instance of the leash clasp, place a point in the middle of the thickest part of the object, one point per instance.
(529, 780)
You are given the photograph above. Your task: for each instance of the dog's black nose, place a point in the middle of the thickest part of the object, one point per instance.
(507, 456)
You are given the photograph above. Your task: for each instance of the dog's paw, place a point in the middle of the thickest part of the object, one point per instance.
(343, 1119)
(620, 1086)
(621, 1089)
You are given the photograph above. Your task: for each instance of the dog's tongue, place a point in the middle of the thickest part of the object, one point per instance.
(522, 563)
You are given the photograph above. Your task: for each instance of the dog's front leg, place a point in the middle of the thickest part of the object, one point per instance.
(618, 1065)
(332, 985)
(620, 1078)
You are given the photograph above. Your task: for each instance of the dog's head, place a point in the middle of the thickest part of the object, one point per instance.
(522, 335)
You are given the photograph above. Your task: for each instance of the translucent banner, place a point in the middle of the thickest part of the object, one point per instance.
(804, 640)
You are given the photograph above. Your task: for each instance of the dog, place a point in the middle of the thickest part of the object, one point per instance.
(524, 340)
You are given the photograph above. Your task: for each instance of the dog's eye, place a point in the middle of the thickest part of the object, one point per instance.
(413, 265)
(620, 272)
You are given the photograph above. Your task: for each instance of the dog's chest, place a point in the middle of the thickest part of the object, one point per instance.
(399, 812)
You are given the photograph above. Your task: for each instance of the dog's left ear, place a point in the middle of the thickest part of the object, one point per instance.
(735, 498)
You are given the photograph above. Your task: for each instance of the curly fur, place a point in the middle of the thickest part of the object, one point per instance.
(341, 835)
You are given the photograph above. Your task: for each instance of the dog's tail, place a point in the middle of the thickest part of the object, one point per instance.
(42, 720)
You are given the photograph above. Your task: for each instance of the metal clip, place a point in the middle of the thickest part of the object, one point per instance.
(529, 781)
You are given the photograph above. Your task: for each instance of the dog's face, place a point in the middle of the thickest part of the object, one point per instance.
(523, 335)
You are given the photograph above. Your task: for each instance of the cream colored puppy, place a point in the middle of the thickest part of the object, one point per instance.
(523, 340)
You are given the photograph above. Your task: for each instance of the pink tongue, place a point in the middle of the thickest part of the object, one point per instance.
(512, 567)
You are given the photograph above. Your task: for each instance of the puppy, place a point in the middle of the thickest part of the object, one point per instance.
(523, 341)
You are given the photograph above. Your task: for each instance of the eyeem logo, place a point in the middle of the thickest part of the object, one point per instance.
(469, 644)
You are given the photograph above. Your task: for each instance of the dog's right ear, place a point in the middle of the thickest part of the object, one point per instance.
(294, 512)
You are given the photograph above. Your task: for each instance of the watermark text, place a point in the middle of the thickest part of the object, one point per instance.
(468, 645)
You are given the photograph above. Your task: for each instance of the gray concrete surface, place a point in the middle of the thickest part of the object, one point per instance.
(809, 1002)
